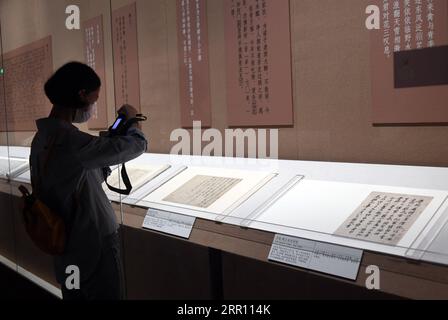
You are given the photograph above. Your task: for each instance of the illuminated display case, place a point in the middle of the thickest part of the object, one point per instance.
(329, 185)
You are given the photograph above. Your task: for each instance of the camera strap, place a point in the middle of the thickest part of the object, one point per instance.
(126, 181)
(121, 129)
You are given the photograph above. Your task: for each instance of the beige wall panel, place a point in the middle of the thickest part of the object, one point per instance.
(331, 77)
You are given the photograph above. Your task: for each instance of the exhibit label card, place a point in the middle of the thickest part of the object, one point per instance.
(94, 57)
(318, 256)
(169, 222)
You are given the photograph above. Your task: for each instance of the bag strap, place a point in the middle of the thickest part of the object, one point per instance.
(126, 181)
(42, 166)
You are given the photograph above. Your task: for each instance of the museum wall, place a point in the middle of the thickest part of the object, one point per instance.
(331, 77)
(26, 21)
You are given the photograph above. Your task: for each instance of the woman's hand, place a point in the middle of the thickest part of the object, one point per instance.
(128, 110)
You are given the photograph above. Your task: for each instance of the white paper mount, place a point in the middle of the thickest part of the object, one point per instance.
(422, 245)
(251, 182)
(154, 184)
(277, 189)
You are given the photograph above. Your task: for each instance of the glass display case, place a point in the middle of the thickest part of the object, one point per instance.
(154, 55)
(40, 37)
(7, 243)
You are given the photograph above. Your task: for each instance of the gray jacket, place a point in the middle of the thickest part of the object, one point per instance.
(69, 178)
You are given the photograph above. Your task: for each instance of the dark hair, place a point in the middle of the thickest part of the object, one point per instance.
(63, 87)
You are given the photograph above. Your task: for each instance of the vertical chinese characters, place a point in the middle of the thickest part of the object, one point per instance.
(94, 57)
(408, 25)
(26, 69)
(193, 62)
(384, 217)
(253, 53)
(258, 61)
(90, 57)
(125, 51)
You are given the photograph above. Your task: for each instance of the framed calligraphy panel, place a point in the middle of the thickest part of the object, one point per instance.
(26, 70)
(125, 51)
(258, 57)
(94, 57)
(407, 25)
(194, 68)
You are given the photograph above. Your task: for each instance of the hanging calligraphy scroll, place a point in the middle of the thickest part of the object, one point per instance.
(193, 62)
(94, 57)
(407, 25)
(125, 50)
(26, 70)
(258, 56)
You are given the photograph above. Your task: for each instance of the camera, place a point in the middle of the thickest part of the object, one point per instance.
(121, 125)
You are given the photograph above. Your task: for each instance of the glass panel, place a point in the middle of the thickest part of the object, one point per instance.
(313, 200)
(38, 38)
(361, 206)
(7, 243)
(171, 60)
